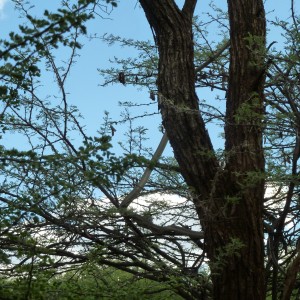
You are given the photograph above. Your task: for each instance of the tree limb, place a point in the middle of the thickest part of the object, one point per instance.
(189, 7)
(213, 57)
(291, 276)
(138, 188)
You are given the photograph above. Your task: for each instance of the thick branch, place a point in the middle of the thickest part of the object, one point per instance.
(189, 8)
(138, 188)
(178, 101)
(172, 230)
(213, 57)
(290, 280)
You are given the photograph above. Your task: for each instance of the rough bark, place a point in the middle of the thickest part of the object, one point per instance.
(290, 279)
(228, 201)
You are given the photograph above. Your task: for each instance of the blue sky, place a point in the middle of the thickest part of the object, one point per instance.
(84, 83)
(128, 21)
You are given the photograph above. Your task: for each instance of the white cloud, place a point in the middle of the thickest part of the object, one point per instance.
(2, 5)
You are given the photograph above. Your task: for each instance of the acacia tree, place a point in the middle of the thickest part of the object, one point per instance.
(65, 205)
(223, 220)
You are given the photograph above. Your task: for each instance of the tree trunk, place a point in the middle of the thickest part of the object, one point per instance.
(228, 201)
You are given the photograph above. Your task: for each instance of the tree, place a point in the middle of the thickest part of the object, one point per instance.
(241, 222)
(65, 206)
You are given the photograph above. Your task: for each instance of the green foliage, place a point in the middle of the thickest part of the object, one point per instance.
(256, 45)
(250, 112)
(61, 190)
(88, 284)
(231, 249)
(113, 3)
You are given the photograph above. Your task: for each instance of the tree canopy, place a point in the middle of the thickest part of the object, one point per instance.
(217, 218)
